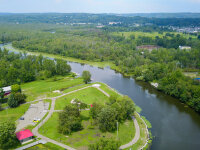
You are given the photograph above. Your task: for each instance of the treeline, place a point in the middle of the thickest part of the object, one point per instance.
(20, 68)
(53, 18)
(172, 82)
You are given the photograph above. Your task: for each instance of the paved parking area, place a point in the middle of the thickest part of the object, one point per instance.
(35, 111)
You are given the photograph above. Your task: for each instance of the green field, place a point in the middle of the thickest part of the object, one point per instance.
(149, 34)
(44, 88)
(89, 134)
(88, 96)
(13, 114)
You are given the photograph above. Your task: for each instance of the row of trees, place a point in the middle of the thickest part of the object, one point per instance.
(21, 68)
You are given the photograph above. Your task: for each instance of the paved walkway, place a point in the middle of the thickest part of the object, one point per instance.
(31, 145)
(136, 138)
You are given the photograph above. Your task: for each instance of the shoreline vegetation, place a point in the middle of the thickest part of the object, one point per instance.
(44, 90)
(102, 65)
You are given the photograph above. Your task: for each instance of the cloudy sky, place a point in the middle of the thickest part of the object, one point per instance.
(100, 6)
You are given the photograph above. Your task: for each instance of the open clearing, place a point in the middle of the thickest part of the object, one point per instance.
(45, 88)
(87, 96)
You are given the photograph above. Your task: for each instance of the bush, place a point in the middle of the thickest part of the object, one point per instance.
(15, 99)
(15, 88)
(105, 144)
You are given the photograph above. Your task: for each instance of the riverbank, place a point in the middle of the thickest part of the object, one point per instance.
(70, 59)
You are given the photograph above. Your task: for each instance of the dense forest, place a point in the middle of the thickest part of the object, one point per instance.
(21, 68)
(165, 66)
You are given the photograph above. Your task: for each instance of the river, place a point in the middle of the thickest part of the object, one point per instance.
(174, 126)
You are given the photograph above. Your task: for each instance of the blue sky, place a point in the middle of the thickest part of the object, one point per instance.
(100, 6)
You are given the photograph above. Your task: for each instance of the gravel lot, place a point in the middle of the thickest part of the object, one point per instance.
(35, 111)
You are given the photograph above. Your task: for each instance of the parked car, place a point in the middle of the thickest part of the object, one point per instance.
(21, 118)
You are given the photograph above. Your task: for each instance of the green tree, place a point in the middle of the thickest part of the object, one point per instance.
(12, 102)
(107, 119)
(1, 93)
(86, 76)
(15, 88)
(69, 120)
(15, 99)
(7, 135)
(95, 110)
(62, 67)
(105, 144)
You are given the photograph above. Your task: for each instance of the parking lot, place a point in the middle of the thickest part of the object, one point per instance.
(35, 112)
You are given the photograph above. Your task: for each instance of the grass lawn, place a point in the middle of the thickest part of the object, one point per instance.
(87, 96)
(47, 146)
(88, 135)
(13, 113)
(42, 88)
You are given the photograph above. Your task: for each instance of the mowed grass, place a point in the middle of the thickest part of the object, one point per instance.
(13, 114)
(47, 146)
(90, 134)
(88, 96)
(45, 88)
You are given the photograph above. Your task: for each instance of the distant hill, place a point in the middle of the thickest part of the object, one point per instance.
(164, 15)
(160, 19)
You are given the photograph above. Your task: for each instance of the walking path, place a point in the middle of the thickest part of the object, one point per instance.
(36, 133)
(136, 138)
(31, 144)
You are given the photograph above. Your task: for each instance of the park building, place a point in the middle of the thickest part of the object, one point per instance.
(24, 136)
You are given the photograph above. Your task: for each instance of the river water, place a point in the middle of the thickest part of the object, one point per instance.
(174, 126)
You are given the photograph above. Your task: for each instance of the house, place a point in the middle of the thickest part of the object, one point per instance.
(148, 47)
(7, 90)
(24, 135)
(185, 48)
